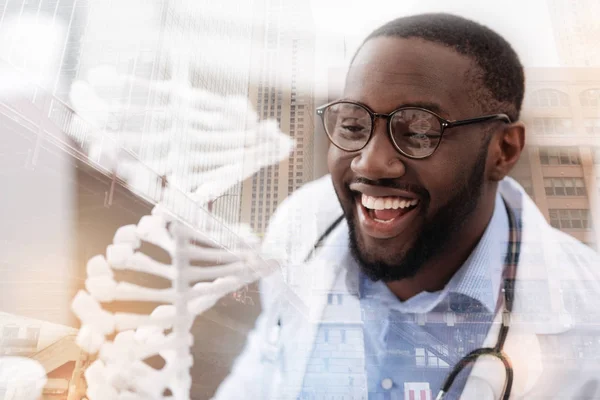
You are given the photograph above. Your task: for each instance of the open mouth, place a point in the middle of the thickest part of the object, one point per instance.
(385, 217)
(386, 209)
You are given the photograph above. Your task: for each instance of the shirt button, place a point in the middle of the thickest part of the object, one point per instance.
(387, 383)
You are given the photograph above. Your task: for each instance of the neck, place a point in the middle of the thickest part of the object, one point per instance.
(435, 274)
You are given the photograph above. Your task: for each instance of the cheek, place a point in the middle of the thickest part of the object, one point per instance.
(442, 180)
(338, 162)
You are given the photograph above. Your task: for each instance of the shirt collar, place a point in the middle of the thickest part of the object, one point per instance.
(479, 277)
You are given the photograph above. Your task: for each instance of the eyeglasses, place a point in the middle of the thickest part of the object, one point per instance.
(415, 132)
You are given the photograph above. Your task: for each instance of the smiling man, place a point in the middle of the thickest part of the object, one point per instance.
(410, 284)
(381, 159)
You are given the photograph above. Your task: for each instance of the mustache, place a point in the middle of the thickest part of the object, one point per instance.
(394, 184)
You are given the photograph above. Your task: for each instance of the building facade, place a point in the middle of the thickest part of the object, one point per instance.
(559, 168)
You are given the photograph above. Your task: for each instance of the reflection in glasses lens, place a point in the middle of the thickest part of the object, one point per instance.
(415, 132)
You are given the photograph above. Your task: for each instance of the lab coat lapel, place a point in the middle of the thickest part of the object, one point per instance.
(325, 269)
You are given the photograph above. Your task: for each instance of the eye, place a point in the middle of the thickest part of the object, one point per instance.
(352, 127)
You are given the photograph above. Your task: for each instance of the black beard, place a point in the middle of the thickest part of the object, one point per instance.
(438, 233)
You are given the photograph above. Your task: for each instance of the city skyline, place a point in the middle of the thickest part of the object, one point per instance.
(287, 58)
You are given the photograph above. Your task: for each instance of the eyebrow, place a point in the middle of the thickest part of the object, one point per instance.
(435, 107)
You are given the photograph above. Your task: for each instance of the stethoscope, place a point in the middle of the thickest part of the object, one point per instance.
(509, 275)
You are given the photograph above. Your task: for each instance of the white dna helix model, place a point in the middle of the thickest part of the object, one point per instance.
(232, 128)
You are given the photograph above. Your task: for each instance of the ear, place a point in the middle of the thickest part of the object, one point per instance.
(505, 151)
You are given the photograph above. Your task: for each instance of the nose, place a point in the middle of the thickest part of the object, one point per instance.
(379, 159)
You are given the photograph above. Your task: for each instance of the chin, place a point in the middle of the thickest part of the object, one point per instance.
(384, 259)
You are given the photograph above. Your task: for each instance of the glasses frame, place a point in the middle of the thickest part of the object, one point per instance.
(444, 123)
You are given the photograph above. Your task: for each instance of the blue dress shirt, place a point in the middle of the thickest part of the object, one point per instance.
(410, 346)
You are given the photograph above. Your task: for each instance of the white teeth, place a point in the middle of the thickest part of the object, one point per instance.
(381, 203)
(371, 202)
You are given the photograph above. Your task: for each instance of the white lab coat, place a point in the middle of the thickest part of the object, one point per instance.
(274, 361)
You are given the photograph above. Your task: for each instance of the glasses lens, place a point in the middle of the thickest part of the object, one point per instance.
(347, 125)
(416, 132)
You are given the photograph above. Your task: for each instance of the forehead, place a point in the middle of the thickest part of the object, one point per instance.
(390, 72)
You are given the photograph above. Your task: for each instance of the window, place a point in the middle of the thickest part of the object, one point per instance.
(564, 186)
(570, 218)
(527, 185)
(549, 98)
(432, 360)
(334, 298)
(590, 98)
(592, 126)
(559, 156)
(10, 332)
(420, 357)
(33, 333)
(596, 155)
(552, 126)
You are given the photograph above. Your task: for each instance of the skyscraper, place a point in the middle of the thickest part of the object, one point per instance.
(576, 31)
(282, 90)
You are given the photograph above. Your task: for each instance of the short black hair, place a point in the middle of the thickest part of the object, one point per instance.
(499, 69)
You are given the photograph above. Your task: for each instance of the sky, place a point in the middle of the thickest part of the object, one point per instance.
(524, 23)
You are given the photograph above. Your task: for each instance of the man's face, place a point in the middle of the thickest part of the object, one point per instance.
(431, 199)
